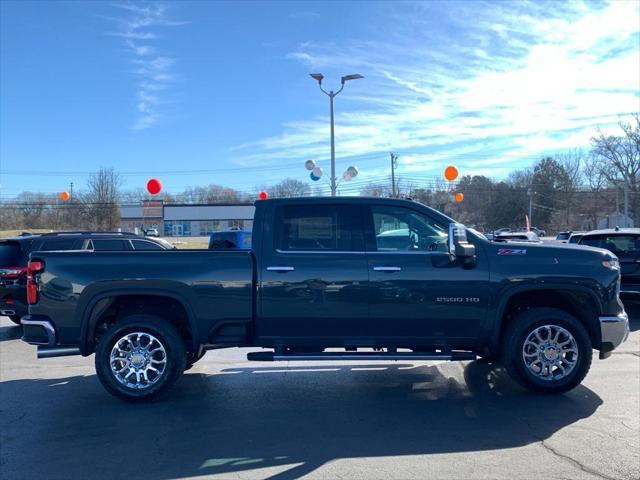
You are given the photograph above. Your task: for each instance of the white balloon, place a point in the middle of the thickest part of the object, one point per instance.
(346, 176)
(317, 171)
(353, 171)
(309, 164)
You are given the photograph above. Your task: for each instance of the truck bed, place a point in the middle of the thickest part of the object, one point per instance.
(215, 287)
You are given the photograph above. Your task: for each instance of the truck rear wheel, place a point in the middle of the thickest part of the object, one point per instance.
(547, 350)
(140, 357)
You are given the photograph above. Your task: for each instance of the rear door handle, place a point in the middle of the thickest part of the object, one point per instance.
(280, 268)
(387, 269)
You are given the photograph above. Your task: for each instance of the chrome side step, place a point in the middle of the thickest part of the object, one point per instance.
(321, 356)
(50, 352)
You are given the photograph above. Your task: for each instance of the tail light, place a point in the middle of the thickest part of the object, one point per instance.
(32, 286)
(12, 272)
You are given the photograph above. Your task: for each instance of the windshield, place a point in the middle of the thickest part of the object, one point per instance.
(619, 244)
(563, 236)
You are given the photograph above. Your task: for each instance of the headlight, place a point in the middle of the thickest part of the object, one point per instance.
(611, 263)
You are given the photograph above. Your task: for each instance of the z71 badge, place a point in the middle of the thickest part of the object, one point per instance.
(512, 251)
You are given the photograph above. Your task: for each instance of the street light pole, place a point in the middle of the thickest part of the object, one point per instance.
(333, 146)
(331, 94)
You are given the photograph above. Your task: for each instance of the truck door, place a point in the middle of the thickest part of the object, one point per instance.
(313, 275)
(417, 291)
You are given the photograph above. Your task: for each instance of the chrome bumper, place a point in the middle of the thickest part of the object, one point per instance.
(613, 331)
(41, 332)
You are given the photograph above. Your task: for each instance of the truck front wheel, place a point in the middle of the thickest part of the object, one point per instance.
(547, 350)
(140, 357)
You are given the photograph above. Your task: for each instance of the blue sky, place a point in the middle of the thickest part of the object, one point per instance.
(219, 92)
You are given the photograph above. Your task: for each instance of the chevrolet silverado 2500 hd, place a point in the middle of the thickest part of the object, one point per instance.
(331, 279)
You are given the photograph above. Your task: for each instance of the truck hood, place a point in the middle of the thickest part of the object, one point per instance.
(560, 253)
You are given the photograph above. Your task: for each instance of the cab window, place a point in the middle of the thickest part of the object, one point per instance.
(398, 229)
(318, 228)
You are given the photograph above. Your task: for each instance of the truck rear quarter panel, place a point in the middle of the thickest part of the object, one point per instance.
(214, 287)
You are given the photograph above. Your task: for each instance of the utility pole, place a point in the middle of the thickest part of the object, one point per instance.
(626, 202)
(530, 192)
(71, 222)
(331, 94)
(394, 164)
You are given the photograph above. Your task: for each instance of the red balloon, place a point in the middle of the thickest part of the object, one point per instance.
(263, 195)
(154, 186)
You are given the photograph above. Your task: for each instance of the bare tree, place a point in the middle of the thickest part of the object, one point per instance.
(210, 194)
(100, 202)
(289, 187)
(619, 158)
(571, 163)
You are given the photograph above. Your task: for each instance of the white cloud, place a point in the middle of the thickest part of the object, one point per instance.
(518, 84)
(154, 71)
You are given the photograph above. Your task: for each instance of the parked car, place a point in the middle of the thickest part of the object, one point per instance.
(624, 243)
(151, 232)
(14, 254)
(320, 275)
(517, 237)
(538, 231)
(230, 240)
(501, 231)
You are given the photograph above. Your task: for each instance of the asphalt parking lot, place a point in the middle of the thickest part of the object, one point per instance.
(228, 418)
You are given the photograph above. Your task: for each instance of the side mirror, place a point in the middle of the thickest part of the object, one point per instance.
(459, 246)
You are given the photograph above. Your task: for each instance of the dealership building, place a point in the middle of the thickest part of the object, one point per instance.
(186, 220)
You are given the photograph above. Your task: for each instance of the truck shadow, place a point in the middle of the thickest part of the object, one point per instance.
(287, 421)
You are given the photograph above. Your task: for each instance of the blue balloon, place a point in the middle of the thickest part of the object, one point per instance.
(313, 177)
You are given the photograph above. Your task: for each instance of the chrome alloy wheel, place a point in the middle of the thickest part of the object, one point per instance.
(550, 352)
(138, 360)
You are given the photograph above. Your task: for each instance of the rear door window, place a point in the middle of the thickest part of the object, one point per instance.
(319, 228)
(51, 244)
(108, 244)
(11, 255)
(145, 245)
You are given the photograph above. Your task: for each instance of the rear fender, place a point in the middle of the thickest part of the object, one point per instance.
(93, 294)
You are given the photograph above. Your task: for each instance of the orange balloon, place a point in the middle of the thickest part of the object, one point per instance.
(64, 196)
(451, 173)
(459, 197)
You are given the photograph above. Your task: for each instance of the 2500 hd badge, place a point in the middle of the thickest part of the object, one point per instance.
(457, 300)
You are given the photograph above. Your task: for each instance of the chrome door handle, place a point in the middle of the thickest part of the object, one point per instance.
(387, 269)
(280, 268)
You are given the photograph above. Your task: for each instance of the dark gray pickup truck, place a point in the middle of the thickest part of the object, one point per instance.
(331, 279)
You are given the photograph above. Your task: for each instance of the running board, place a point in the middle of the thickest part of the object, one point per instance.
(320, 356)
(50, 352)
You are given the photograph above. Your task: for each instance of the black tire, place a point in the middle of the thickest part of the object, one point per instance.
(170, 340)
(513, 343)
(15, 319)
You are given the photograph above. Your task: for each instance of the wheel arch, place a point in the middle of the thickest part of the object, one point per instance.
(581, 302)
(91, 313)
